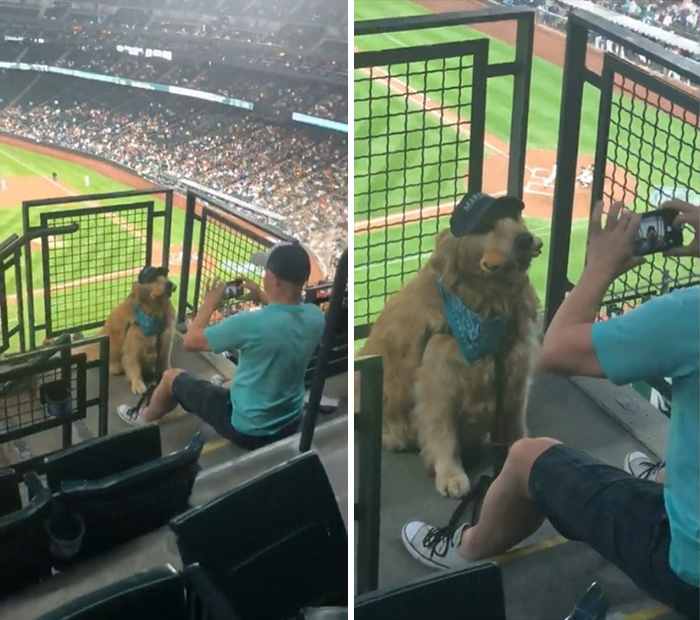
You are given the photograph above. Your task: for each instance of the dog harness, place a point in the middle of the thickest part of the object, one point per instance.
(476, 336)
(150, 325)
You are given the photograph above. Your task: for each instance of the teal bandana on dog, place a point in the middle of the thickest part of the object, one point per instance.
(476, 336)
(150, 325)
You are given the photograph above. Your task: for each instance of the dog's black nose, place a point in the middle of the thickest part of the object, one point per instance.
(523, 242)
(170, 287)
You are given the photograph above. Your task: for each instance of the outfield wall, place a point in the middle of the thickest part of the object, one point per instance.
(130, 178)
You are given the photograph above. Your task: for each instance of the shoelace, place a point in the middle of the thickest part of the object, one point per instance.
(445, 535)
(133, 412)
(434, 537)
(144, 401)
(650, 469)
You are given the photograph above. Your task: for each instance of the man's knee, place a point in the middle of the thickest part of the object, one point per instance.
(170, 375)
(524, 452)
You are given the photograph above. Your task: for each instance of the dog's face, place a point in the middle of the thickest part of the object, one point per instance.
(154, 296)
(501, 252)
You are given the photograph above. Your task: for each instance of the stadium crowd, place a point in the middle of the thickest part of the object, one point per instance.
(682, 16)
(307, 36)
(278, 95)
(679, 14)
(298, 173)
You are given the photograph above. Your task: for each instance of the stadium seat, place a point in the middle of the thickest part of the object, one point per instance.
(118, 453)
(24, 547)
(104, 456)
(10, 499)
(133, 494)
(157, 594)
(472, 593)
(273, 545)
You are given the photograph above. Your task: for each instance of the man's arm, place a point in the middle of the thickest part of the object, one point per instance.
(227, 335)
(195, 339)
(568, 346)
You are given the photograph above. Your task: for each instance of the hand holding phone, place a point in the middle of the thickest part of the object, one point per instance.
(233, 290)
(685, 214)
(658, 232)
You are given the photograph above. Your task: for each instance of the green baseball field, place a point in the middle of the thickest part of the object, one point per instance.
(92, 265)
(410, 163)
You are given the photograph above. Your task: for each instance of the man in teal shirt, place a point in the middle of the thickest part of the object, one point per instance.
(649, 530)
(275, 345)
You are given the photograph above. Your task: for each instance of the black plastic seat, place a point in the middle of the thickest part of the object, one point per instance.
(24, 548)
(122, 487)
(157, 594)
(104, 456)
(273, 545)
(10, 499)
(474, 593)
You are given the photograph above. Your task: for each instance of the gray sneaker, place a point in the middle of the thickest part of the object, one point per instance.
(419, 540)
(131, 415)
(641, 466)
(217, 380)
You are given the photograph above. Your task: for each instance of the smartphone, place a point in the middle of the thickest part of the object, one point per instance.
(658, 233)
(233, 290)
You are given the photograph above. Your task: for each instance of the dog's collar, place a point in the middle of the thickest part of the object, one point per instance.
(476, 336)
(150, 325)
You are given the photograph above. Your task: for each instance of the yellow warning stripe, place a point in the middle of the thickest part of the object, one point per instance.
(649, 613)
(521, 552)
(655, 610)
(215, 445)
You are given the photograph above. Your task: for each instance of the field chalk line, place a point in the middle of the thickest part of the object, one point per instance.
(543, 232)
(115, 218)
(438, 110)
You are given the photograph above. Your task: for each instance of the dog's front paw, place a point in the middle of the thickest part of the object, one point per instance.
(395, 443)
(115, 369)
(452, 485)
(138, 387)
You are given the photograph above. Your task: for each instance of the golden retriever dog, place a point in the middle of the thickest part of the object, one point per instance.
(140, 330)
(434, 397)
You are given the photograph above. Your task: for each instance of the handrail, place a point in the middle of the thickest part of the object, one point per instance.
(14, 242)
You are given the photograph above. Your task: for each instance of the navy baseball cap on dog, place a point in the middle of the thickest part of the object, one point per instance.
(149, 274)
(289, 261)
(478, 212)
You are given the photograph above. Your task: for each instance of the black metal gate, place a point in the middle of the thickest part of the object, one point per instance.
(218, 244)
(420, 142)
(647, 149)
(87, 273)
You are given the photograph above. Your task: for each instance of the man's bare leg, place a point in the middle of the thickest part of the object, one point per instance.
(162, 401)
(508, 514)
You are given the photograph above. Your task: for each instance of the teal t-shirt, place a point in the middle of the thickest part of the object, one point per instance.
(661, 338)
(275, 345)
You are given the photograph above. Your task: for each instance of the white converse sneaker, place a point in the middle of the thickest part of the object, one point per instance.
(641, 466)
(419, 540)
(131, 415)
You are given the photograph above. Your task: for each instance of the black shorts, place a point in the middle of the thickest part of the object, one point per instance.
(623, 518)
(212, 404)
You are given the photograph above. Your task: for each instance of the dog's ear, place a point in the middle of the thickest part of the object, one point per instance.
(442, 252)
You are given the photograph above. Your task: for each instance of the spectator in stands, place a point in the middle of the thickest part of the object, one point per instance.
(275, 345)
(649, 530)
